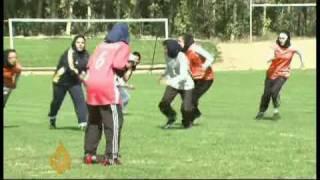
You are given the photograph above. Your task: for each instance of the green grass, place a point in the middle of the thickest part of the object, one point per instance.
(227, 143)
(46, 52)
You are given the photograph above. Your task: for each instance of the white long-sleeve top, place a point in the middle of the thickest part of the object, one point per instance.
(209, 58)
(177, 72)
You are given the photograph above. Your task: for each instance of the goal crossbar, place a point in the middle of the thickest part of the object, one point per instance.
(284, 5)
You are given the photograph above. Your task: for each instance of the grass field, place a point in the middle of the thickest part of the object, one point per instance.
(46, 52)
(227, 142)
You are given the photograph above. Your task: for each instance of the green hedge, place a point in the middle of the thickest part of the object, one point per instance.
(35, 52)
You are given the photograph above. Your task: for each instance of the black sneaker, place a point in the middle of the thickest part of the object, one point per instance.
(197, 114)
(259, 116)
(117, 161)
(276, 116)
(187, 125)
(169, 124)
(52, 124)
(111, 162)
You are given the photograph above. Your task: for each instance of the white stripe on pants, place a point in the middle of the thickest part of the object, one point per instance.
(115, 130)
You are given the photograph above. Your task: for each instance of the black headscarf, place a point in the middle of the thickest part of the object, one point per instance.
(188, 41)
(287, 43)
(173, 47)
(5, 58)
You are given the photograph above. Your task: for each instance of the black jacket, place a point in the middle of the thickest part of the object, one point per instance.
(64, 75)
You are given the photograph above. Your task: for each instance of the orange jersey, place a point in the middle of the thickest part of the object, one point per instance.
(280, 66)
(196, 62)
(9, 75)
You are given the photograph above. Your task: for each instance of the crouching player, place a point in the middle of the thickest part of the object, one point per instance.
(134, 60)
(11, 73)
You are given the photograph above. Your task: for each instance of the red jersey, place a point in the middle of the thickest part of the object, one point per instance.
(101, 77)
(196, 62)
(280, 66)
(9, 75)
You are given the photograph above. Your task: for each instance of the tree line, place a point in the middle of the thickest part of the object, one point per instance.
(223, 19)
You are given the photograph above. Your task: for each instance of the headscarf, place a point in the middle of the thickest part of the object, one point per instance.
(173, 47)
(119, 32)
(188, 41)
(6, 62)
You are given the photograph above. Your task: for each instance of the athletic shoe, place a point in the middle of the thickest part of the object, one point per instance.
(82, 125)
(169, 124)
(117, 161)
(197, 114)
(52, 124)
(260, 115)
(186, 124)
(110, 162)
(90, 159)
(276, 116)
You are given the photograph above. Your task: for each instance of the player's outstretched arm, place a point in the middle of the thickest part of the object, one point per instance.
(298, 52)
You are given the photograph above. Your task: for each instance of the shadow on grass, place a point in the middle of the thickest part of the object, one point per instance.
(100, 159)
(72, 128)
(176, 127)
(11, 126)
(270, 118)
(127, 114)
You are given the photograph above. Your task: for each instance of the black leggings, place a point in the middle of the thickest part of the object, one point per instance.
(200, 87)
(272, 88)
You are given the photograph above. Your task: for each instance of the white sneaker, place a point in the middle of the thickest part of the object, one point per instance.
(82, 125)
(124, 111)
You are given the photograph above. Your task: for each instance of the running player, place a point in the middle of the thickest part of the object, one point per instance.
(178, 81)
(278, 73)
(200, 67)
(11, 73)
(66, 78)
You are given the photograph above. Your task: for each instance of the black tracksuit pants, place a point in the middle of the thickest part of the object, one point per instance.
(107, 118)
(6, 94)
(271, 91)
(77, 96)
(200, 87)
(186, 106)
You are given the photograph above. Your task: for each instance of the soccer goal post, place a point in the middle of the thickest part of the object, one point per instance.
(30, 20)
(265, 5)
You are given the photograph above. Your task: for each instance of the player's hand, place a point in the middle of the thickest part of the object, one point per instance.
(203, 67)
(82, 76)
(130, 86)
(200, 75)
(75, 71)
(162, 81)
